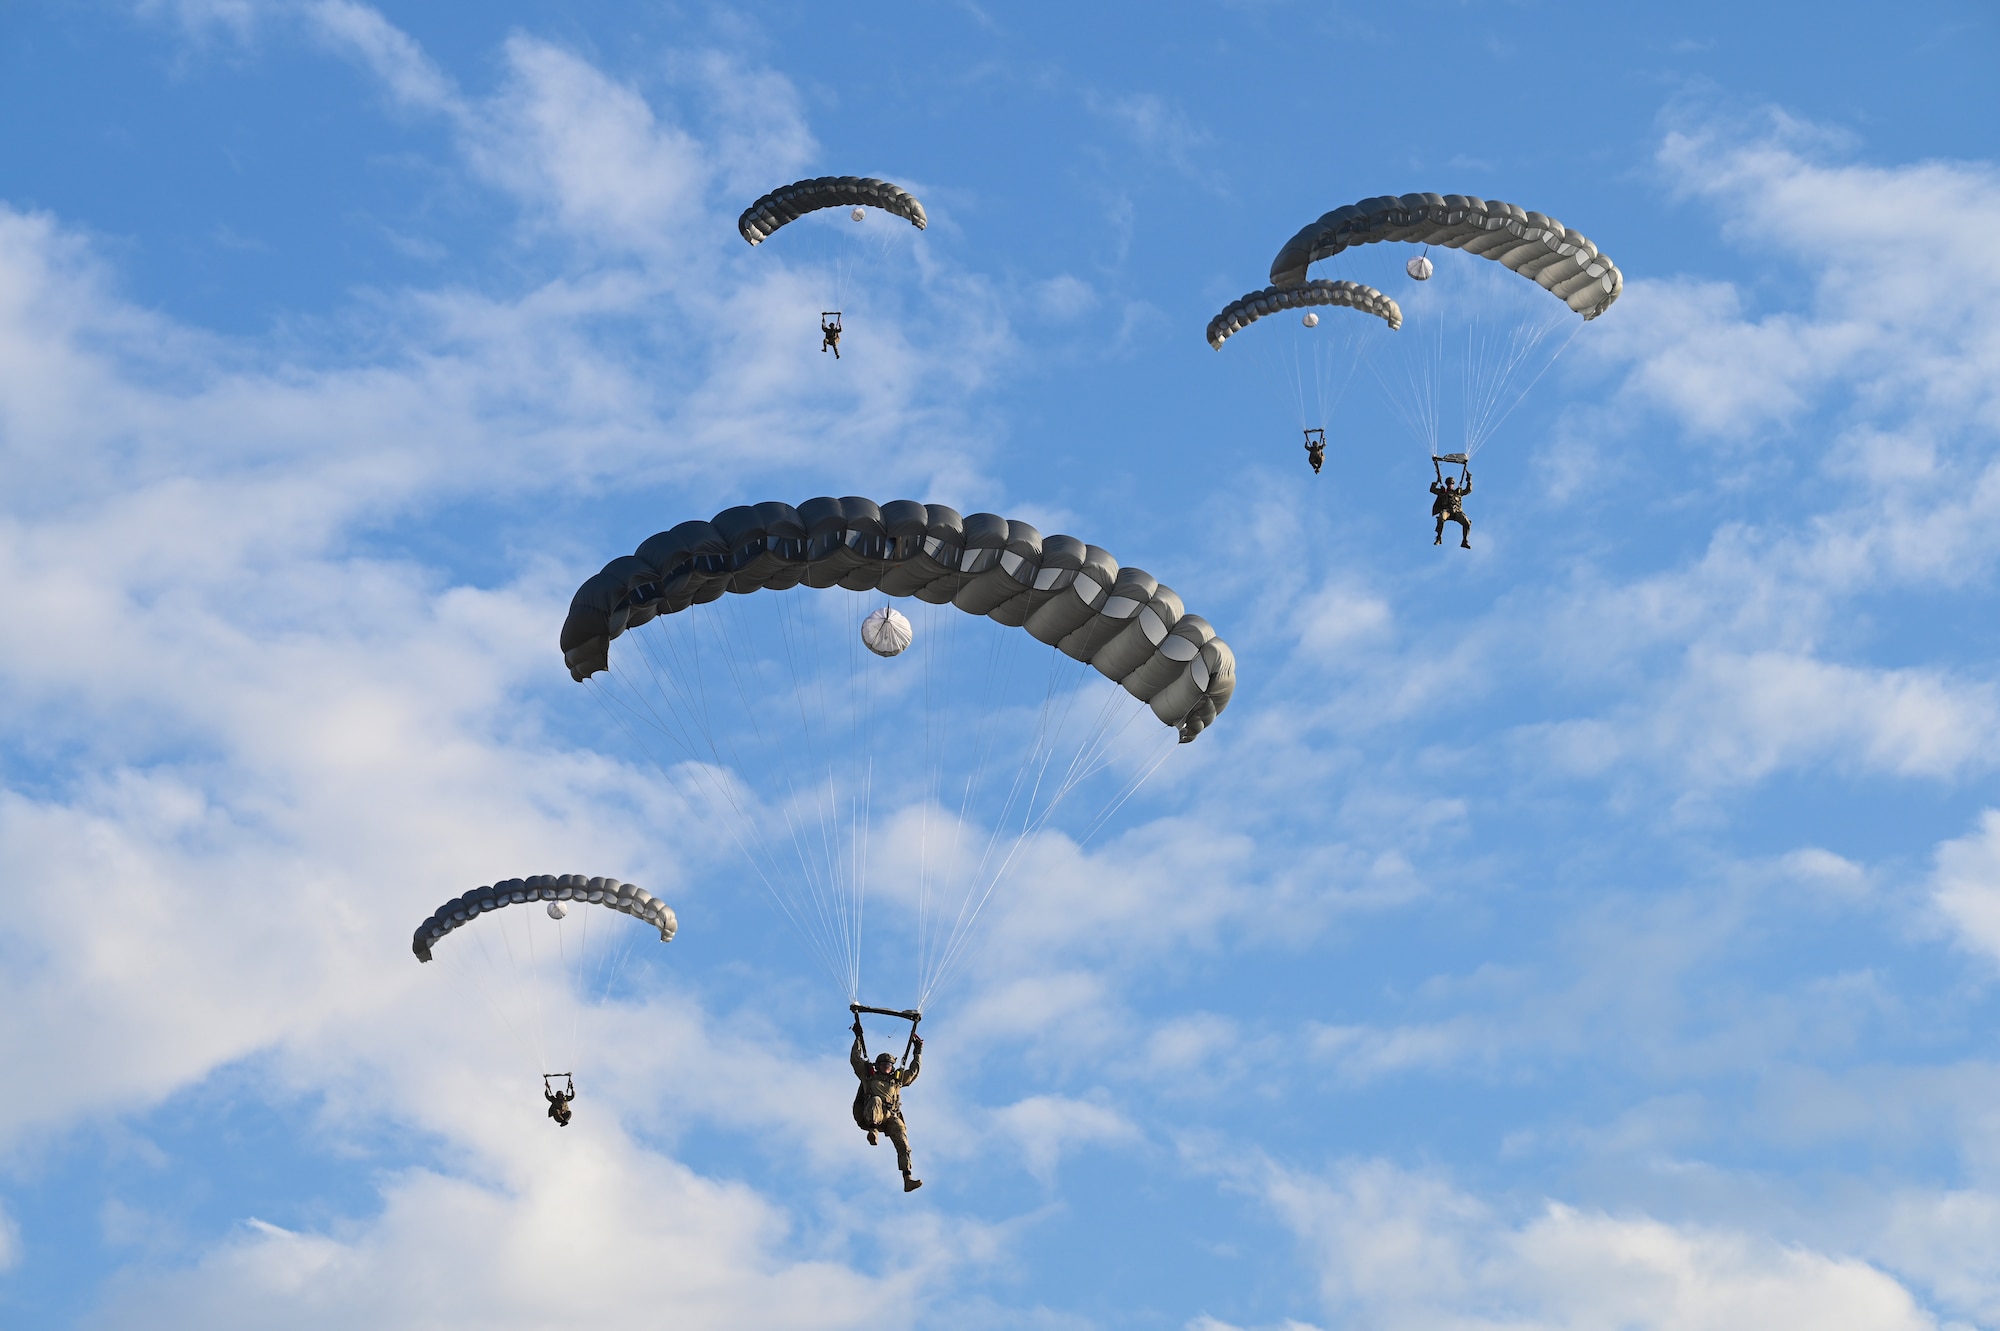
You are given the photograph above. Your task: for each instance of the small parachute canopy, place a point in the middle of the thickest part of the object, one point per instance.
(1311, 320)
(1419, 268)
(886, 632)
(795, 200)
(1240, 314)
(555, 889)
(1561, 261)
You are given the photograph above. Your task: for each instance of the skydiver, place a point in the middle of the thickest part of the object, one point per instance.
(829, 332)
(559, 1101)
(1449, 506)
(1316, 449)
(878, 1101)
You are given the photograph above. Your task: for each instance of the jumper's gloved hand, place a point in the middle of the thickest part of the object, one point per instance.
(917, 1041)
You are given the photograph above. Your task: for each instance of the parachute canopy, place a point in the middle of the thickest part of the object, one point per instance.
(793, 201)
(1240, 314)
(1561, 261)
(1069, 595)
(552, 888)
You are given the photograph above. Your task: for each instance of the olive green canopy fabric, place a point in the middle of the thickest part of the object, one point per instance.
(1561, 261)
(1240, 314)
(795, 200)
(1073, 596)
(609, 892)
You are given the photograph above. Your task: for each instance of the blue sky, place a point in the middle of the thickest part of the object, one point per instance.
(1598, 929)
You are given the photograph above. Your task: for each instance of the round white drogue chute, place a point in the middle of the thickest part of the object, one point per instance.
(886, 632)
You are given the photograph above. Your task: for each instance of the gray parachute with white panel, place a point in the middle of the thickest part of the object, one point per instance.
(791, 202)
(1062, 591)
(1240, 314)
(1559, 260)
(625, 898)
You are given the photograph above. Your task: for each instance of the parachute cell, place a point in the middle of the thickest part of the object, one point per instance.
(793, 201)
(1559, 260)
(1241, 313)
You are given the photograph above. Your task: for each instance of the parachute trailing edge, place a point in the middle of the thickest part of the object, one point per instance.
(608, 892)
(793, 201)
(1070, 595)
(1559, 260)
(1240, 314)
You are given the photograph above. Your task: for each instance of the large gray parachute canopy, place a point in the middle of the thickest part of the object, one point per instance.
(1065, 593)
(622, 897)
(800, 197)
(1560, 260)
(1240, 314)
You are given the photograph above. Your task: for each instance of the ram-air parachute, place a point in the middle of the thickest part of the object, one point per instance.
(1475, 339)
(540, 953)
(898, 768)
(843, 255)
(1308, 368)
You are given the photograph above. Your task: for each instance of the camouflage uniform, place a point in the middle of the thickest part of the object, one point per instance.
(1447, 507)
(878, 1101)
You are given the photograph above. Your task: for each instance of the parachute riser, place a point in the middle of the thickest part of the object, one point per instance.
(911, 1015)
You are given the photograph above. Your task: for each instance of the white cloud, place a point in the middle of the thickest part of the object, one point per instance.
(1048, 1127)
(1736, 718)
(410, 76)
(1965, 885)
(593, 1232)
(1950, 1243)
(1159, 129)
(1064, 298)
(1399, 1250)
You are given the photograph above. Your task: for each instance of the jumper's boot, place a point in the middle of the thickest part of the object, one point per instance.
(911, 1184)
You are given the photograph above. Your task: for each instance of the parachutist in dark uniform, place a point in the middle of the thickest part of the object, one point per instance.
(1449, 506)
(878, 1101)
(559, 1100)
(829, 332)
(1316, 449)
